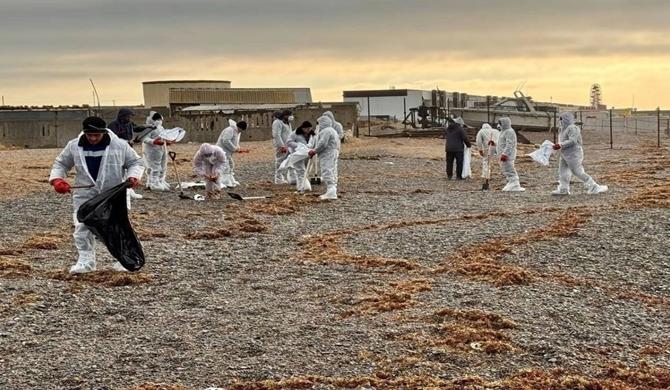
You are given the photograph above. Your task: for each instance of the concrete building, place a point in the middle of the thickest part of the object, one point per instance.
(186, 97)
(157, 93)
(391, 103)
(177, 94)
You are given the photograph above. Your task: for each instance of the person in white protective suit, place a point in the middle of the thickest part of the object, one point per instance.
(209, 162)
(301, 136)
(336, 125)
(506, 150)
(327, 148)
(486, 139)
(315, 166)
(571, 156)
(229, 141)
(155, 154)
(101, 160)
(281, 129)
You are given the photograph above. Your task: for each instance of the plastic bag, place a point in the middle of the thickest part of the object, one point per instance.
(301, 153)
(467, 157)
(106, 216)
(173, 135)
(543, 153)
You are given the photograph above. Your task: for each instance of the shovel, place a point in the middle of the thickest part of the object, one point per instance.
(240, 197)
(173, 155)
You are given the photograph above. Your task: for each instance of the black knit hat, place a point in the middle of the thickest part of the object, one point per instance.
(93, 124)
(306, 124)
(156, 116)
(242, 125)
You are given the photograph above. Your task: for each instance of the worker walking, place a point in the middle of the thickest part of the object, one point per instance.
(571, 156)
(486, 140)
(101, 161)
(456, 140)
(506, 150)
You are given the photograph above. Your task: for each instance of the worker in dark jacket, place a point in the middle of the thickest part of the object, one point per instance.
(456, 139)
(123, 126)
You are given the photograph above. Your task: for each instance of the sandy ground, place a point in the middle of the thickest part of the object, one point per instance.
(408, 281)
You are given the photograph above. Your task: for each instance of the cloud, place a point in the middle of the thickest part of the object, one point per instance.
(326, 45)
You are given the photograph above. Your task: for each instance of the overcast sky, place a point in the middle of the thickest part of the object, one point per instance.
(49, 49)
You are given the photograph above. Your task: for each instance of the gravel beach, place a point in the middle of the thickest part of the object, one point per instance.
(407, 281)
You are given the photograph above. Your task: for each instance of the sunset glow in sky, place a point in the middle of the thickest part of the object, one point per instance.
(50, 49)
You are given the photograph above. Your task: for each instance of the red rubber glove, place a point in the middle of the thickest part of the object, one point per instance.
(283, 149)
(492, 143)
(481, 153)
(311, 153)
(169, 143)
(134, 182)
(243, 151)
(61, 186)
(158, 141)
(503, 157)
(557, 146)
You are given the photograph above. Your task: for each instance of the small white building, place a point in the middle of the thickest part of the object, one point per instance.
(394, 103)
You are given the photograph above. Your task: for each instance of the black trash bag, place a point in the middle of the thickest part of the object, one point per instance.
(106, 216)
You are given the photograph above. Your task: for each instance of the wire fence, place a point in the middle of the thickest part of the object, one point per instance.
(611, 125)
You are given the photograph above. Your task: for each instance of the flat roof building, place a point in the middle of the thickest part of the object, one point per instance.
(177, 94)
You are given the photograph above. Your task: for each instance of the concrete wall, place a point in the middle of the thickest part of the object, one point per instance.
(52, 128)
(206, 127)
(40, 129)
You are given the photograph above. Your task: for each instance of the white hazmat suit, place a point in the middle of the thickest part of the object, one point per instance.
(119, 161)
(571, 156)
(507, 146)
(210, 161)
(155, 156)
(297, 142)
(484, 136)
(280, 133)
(336, 125)
(229, 141)
(327, 148)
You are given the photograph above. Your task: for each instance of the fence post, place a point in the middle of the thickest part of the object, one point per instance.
(369, 124)
(611, 138)
(404, 112)
(658, 127)
(554, 129)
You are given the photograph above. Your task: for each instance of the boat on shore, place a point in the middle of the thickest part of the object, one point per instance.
(524, 113)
